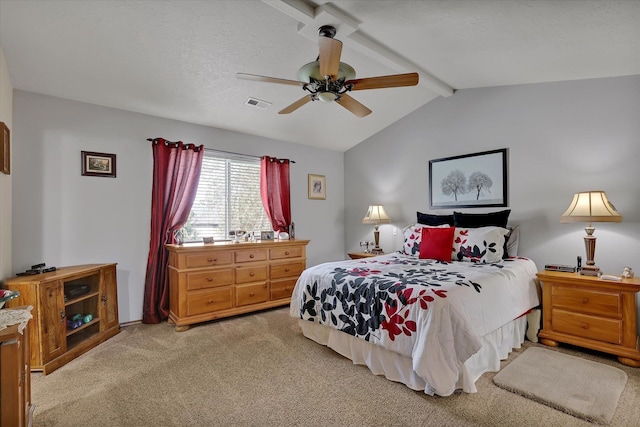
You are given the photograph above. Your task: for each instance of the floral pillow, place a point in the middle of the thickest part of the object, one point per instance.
(413, 237)
(483, 244)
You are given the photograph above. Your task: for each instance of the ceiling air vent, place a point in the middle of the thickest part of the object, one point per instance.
(257, 103)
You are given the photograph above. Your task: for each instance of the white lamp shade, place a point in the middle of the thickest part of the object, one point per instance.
(591, 206)
(376, 215)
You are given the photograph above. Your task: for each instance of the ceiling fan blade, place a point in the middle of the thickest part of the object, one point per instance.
(258, 78)
(354, 106)
(330, 50)
(293, 107)
(395, 80)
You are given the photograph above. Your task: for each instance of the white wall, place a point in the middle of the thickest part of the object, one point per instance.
(6, 116)
(562, 138)
(62, 218)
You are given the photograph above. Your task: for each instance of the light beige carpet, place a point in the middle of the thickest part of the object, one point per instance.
(585, 389)
(259, 370)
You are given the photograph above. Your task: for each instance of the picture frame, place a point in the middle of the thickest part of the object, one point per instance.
(266, 235)
(5, 149)
(98, 164)
(469, 181)
(317, 187)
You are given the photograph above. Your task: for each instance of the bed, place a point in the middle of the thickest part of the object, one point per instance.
(435, 325)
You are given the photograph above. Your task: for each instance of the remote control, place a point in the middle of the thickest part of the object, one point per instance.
(610, 277)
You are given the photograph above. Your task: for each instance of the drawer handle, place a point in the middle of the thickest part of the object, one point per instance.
(252, 274)
(584, 326)
(210, 301)
(212, 259)
(252, 256)
(286, 253)
(286, 270)
(252, 294)
(585, 300)
(209, 279)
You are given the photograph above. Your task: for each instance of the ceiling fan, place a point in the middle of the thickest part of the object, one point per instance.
(327, 79)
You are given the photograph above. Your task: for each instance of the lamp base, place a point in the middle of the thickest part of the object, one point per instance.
(377, 251)
(590, 270)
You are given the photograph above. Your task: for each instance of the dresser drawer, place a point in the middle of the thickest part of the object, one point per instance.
(288, 252)
(205, 259)
(249, 274)
(251, 255)
(586, 326)
(602, 303)
(207, 301)
(209, 279)
(251, 294)
(282, 288)
(290, 269)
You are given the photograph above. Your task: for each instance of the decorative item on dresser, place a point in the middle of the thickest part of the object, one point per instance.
(224, 279)
(58, 297)
(590, 312)
(376, 215)
(16, 408)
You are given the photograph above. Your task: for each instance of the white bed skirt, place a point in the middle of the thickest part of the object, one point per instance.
(496, 346)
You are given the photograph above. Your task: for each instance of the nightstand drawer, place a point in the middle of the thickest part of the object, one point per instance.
(585, 326)
(585, 301)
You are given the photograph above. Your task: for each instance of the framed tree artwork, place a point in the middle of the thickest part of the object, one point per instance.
(469, 181)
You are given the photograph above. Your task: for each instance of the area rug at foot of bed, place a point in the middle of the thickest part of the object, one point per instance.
(582, 388)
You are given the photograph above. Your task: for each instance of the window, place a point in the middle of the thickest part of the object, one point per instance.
(228, 198)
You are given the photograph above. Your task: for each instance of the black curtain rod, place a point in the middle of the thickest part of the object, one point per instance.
(212, 149)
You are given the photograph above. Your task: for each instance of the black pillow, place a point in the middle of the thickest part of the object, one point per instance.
(468, 220)
(430, 219)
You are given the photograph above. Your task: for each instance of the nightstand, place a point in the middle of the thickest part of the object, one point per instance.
(589, 312)
(358, 255)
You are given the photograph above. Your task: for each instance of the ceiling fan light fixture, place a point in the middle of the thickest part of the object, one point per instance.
(312, 70)
(327, 96)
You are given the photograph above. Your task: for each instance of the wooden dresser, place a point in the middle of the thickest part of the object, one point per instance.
(215, 280)
(16, 408)
(590, 312)
(62, 295)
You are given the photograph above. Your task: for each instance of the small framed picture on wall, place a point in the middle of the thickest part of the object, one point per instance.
(317, 187)
(98, 164)
(5, 149)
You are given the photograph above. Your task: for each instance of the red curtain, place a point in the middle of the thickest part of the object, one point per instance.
(275, 191)
(176, 172)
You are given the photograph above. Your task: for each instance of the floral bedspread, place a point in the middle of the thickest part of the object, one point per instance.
(431, 311)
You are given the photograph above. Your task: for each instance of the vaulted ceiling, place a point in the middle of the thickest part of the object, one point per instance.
(179, 59)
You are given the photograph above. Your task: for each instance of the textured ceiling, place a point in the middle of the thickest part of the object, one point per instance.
(178, 59)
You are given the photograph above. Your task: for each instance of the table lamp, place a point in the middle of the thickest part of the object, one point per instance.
(376, 215)
(590, 206)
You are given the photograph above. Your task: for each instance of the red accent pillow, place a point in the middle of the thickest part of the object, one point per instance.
(436, 243)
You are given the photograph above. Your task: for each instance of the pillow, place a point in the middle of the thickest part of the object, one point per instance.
(512, 241)
(492, 219)
(483, 244)
(436, 243)
(413, 237)
(430, 219)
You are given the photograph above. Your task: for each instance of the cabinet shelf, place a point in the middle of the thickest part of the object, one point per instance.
(83, 327)
(81, 298)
